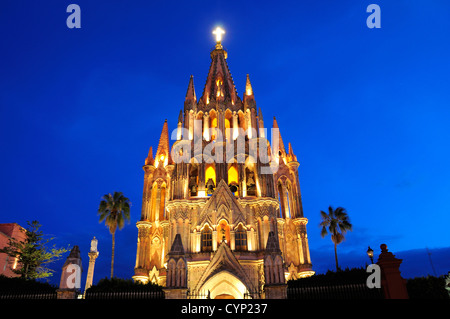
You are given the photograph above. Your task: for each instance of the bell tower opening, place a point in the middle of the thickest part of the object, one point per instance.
(210, 179)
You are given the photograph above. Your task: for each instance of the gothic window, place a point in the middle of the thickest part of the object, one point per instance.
(228, 121)
(206, 239)
(198, 129)
(284, 197)
(223, 231)
(213, 124)
(153, 201)
(241, 238)
(241, 120)
(162, 203)
(288, 205)
(181, 274)
(219, 85)
(280, 214)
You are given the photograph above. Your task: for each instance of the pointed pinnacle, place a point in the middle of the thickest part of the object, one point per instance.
(248, 87)
(280, 143)
(163, 146)
(190, 94)
(149, 160)
(291, 154)
(260, 116)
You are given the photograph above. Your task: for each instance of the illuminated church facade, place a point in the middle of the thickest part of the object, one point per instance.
(221, 210)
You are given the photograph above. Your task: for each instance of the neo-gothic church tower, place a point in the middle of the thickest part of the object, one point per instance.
(221, 208)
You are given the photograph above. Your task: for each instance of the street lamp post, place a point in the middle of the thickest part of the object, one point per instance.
(370, 254)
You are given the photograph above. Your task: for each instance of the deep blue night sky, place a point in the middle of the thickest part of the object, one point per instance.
(367, 112)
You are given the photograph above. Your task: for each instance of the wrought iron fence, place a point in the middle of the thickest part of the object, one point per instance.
(196, 294)
(15, 295)
(349, 291)
(125, 295)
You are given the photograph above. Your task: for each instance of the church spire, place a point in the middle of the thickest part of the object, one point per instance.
(163, 151)
(190, 94)
(249, 98)
(280, 140)
(219, 83)
(248, 87)
(191, 98)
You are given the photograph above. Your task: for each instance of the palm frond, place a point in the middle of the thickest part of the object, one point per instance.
(323, 232)
(336, 222)
(114, 210)
(324, 215)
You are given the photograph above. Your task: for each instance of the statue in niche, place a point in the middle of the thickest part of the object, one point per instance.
(193, 185)
(223, 235)
(251, 186)
(210, 186)
(193, 190)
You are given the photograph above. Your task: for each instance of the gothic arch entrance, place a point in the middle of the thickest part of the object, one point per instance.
(225, 285)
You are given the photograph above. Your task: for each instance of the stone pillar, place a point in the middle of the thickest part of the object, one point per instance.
(93, 254)
(214, 240)
(233, 240)
(69, 286)
(394, 286)
(143, 250)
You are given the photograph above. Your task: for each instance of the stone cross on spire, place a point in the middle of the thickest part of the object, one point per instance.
(218, 32)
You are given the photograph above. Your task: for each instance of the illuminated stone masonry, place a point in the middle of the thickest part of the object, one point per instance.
(221, 208)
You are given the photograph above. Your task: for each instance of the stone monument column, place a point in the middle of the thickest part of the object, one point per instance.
(93, 254)
(69, 287)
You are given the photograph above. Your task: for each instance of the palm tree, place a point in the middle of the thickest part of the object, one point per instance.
(338, 223)
(114, 210)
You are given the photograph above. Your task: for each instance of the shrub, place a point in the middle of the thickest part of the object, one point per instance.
(22, 285)
(122, 285)
(330, 278)
(429, 287)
